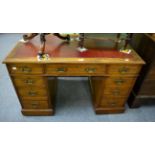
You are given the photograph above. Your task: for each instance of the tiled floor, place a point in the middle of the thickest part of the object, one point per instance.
(73, 100)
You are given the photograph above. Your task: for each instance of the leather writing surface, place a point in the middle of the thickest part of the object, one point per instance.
(57, 48)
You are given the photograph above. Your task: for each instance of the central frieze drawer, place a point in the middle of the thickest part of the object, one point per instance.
(81, 69)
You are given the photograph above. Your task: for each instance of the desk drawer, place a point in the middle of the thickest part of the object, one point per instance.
(123, 69)
(81, 69)
(118, 86)
(29, 81)
(119, 82)
(111, 102)
(33, 93)
(116, 92)
(34, 104)
(25, 68)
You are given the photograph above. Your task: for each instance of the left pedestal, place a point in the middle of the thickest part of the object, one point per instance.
(32, 88)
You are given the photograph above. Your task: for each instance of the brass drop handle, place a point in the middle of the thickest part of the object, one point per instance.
(112, 103)
(90, 70)
(32, 93)
(26, 69)
(29, 81)
(119, 81)
(123, 70)
(116, 92)
(34, 104)
(61, 70)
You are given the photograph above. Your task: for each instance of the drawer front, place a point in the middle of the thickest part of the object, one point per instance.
(35, 104)
(116, 92)
(119, 82)
(118, 86)
(33, 93)
(82, 69)
(25, 68)
(123, 69)
(29, 81)
(112, 102)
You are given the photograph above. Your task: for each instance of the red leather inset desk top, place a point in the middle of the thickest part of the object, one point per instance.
(57, 48)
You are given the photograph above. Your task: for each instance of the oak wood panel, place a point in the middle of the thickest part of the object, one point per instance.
(52, 90)
(97, 88)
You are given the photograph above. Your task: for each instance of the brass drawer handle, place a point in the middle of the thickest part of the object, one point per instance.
(61, 70)
(119, 81)
(29, 81)
(90, 70)
(112, 103)
(25, 69)
(35, 105)
(123, 70)
(32, 93)
(116, 92)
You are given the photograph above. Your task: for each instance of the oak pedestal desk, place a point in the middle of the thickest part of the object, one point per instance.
(111, 73)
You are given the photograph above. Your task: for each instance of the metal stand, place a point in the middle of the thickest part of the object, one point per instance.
(81, 47)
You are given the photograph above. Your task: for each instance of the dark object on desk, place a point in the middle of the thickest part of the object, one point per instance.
(144, 89)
